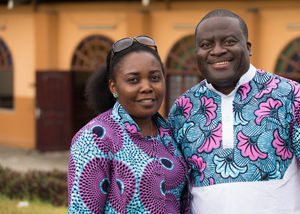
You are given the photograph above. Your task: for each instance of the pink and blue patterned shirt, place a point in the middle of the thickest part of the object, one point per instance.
(243, 149)
(114, 169)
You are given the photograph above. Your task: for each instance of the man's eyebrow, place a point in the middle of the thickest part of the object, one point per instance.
(231, 35)
(206, 39)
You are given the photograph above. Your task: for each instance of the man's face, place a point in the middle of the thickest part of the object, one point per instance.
(222, 52)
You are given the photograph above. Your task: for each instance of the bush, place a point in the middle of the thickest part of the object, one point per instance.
(43, 185)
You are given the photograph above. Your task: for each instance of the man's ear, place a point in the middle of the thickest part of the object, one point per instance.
(249, 48)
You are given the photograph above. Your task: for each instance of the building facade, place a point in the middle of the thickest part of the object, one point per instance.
(48, 50)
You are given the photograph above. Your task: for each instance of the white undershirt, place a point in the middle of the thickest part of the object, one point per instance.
(262, 197)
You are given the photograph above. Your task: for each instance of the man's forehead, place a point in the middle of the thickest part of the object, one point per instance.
(217, 23)
(218, 19)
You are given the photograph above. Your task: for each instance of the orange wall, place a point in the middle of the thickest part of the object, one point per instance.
(70, 34)
(275, 35)
(17, 125)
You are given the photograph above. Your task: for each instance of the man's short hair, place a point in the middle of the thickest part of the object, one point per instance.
(225, 13)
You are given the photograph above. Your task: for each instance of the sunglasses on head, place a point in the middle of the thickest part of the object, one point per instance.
(125, 43)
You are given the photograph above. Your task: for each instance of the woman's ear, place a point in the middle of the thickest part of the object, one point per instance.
(112, 86)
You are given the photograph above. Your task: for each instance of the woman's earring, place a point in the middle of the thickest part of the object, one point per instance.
(115, 95)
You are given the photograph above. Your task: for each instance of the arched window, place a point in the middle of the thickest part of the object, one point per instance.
(288, 63)
(182, 70)
(88, 56)
(90, 53)
(6, 77)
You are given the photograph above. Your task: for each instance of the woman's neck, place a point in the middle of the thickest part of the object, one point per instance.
(147, 127)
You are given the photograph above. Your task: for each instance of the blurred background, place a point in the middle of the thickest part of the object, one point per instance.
(48, 49)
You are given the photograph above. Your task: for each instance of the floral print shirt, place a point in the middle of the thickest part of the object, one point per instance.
(114, 169)
(257, 144)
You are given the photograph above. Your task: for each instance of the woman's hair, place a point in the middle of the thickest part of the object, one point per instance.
(97, 92)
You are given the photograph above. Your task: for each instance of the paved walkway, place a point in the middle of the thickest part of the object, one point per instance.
(24, 160)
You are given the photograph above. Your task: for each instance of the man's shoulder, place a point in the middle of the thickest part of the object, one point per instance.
(196, 91)
(261, 74)
(200, 87)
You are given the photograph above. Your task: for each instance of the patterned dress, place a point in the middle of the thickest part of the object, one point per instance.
(114, 169)
(249, 136)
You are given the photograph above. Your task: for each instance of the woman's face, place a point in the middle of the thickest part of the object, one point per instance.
(139, 84)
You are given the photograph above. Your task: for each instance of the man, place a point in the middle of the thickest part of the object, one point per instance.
(239, 128)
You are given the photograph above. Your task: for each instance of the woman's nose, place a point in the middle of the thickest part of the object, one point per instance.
(146, 87)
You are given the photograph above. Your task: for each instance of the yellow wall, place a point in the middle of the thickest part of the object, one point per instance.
(45, 37)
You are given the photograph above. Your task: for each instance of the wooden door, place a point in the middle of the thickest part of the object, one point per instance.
(54, 129)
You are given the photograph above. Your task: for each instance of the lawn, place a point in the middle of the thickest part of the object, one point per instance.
(8, 206)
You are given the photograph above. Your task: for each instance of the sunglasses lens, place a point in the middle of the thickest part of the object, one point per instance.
(127, 42)
(122, 44)
(145, 40)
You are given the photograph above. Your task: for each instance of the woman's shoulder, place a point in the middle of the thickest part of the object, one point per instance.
(103, 130)
(99, 120)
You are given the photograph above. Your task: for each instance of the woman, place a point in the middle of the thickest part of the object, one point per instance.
(125, 160)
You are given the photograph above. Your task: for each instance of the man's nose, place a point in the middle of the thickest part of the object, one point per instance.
(218, 49)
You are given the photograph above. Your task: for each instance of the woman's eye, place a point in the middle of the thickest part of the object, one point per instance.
(132, 80)
(155, 77)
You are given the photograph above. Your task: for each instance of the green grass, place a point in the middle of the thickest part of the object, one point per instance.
(10, 206)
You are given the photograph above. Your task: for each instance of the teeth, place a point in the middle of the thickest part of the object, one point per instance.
(146, 101)
(222, 63)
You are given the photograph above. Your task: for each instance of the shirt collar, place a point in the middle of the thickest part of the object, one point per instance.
(120, 114)
(246, 77)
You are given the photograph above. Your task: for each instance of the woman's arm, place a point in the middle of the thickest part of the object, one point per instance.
(88, 174)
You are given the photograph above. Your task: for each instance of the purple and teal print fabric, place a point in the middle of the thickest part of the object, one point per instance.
(114, 169)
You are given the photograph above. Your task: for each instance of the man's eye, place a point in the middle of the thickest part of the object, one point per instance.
(205, 45)
(230, 42)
